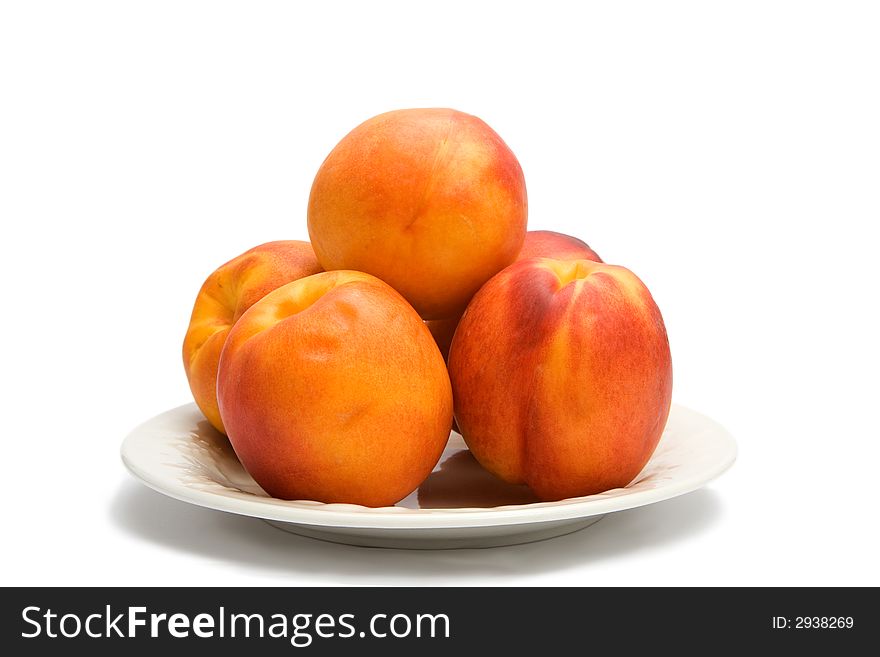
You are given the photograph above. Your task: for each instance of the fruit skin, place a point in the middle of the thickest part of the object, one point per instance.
(550, 244)
(431, 201)
(225, 295)
(562, 376)
(332, 389)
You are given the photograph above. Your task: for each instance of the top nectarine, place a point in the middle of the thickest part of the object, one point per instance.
(431, 201)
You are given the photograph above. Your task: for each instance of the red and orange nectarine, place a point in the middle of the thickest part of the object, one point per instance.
(550, 244)
(561, 376)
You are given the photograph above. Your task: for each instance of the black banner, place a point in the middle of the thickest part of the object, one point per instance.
(434, 621)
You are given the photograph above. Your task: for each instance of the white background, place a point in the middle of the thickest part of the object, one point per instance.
(728, 153)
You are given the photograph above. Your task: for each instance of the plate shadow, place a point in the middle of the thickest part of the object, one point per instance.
(251, 543)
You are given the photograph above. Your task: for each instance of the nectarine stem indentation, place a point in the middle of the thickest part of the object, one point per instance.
(569, 271)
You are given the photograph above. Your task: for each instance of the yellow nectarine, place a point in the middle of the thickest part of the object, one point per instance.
(332, 389)
(225, 295)
(431, 201)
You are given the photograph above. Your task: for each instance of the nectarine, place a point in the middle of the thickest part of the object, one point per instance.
(550, 244)
(562, 376)
(431, 201)
(332, 389)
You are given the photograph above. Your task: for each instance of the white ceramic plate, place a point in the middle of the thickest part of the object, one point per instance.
(459, 505)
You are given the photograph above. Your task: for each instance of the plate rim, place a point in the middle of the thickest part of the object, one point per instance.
(319, 514)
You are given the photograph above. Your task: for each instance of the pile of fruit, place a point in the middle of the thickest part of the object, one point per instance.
(335, 368)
